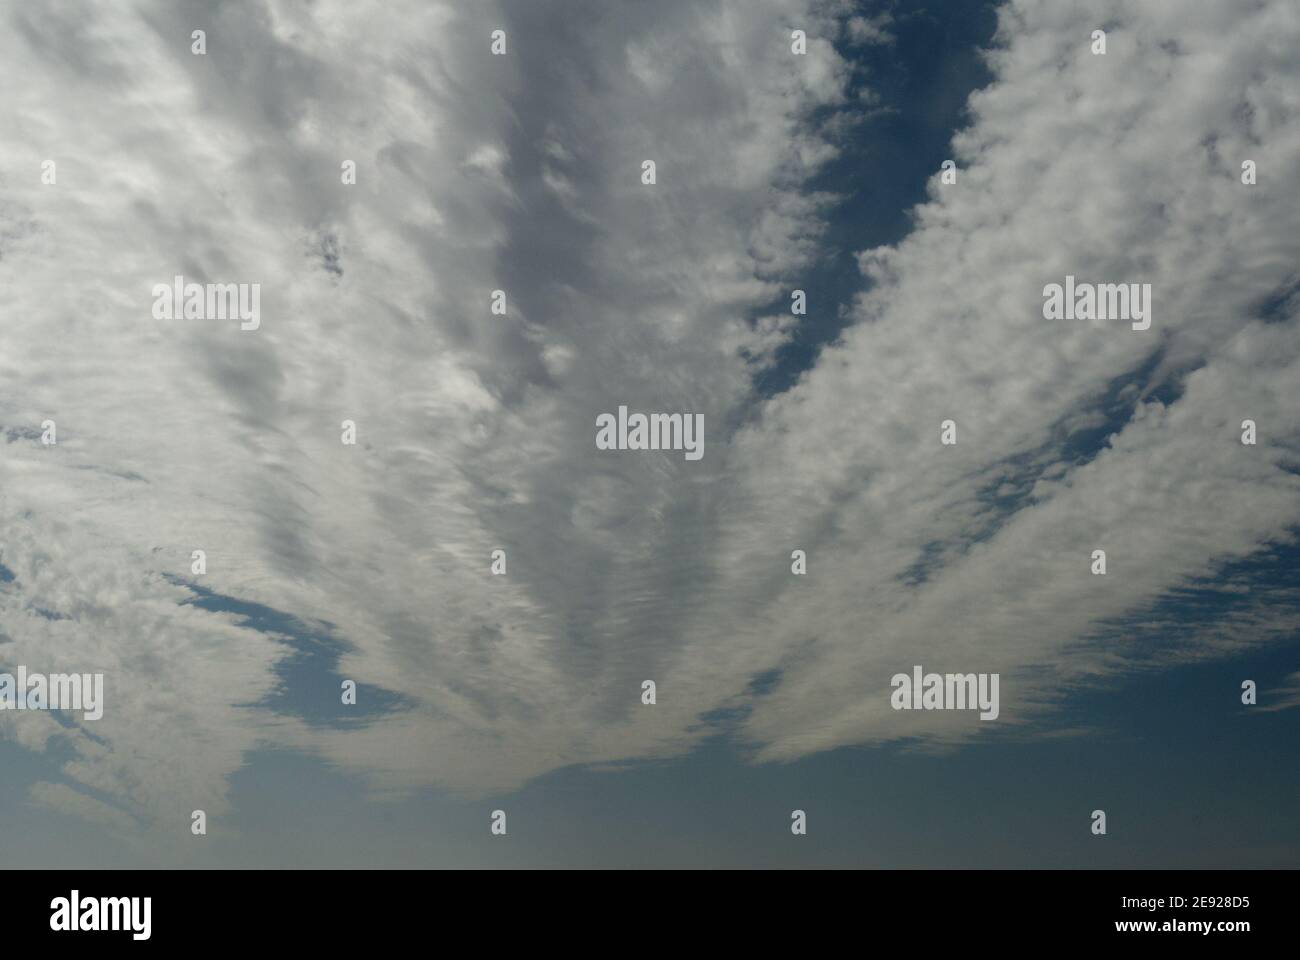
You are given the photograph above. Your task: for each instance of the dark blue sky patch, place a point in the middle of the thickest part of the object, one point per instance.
(1116, 406)
(328, 252)
(724, 720)
(1279, 306)
(1080, 436)
(918, 89)
(1008, 485)
(70, 720)
(1269, 578)
(919, 572)
(310, 686)
(764, 683)
(14, 434)
(120, 474)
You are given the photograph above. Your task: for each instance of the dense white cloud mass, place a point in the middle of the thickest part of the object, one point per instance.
(476, 432)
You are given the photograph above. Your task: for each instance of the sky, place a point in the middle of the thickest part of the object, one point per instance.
(127, 158)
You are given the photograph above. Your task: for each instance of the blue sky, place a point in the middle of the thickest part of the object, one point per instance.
(328, 562)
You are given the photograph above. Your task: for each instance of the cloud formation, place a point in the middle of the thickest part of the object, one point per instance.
(476, 431)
